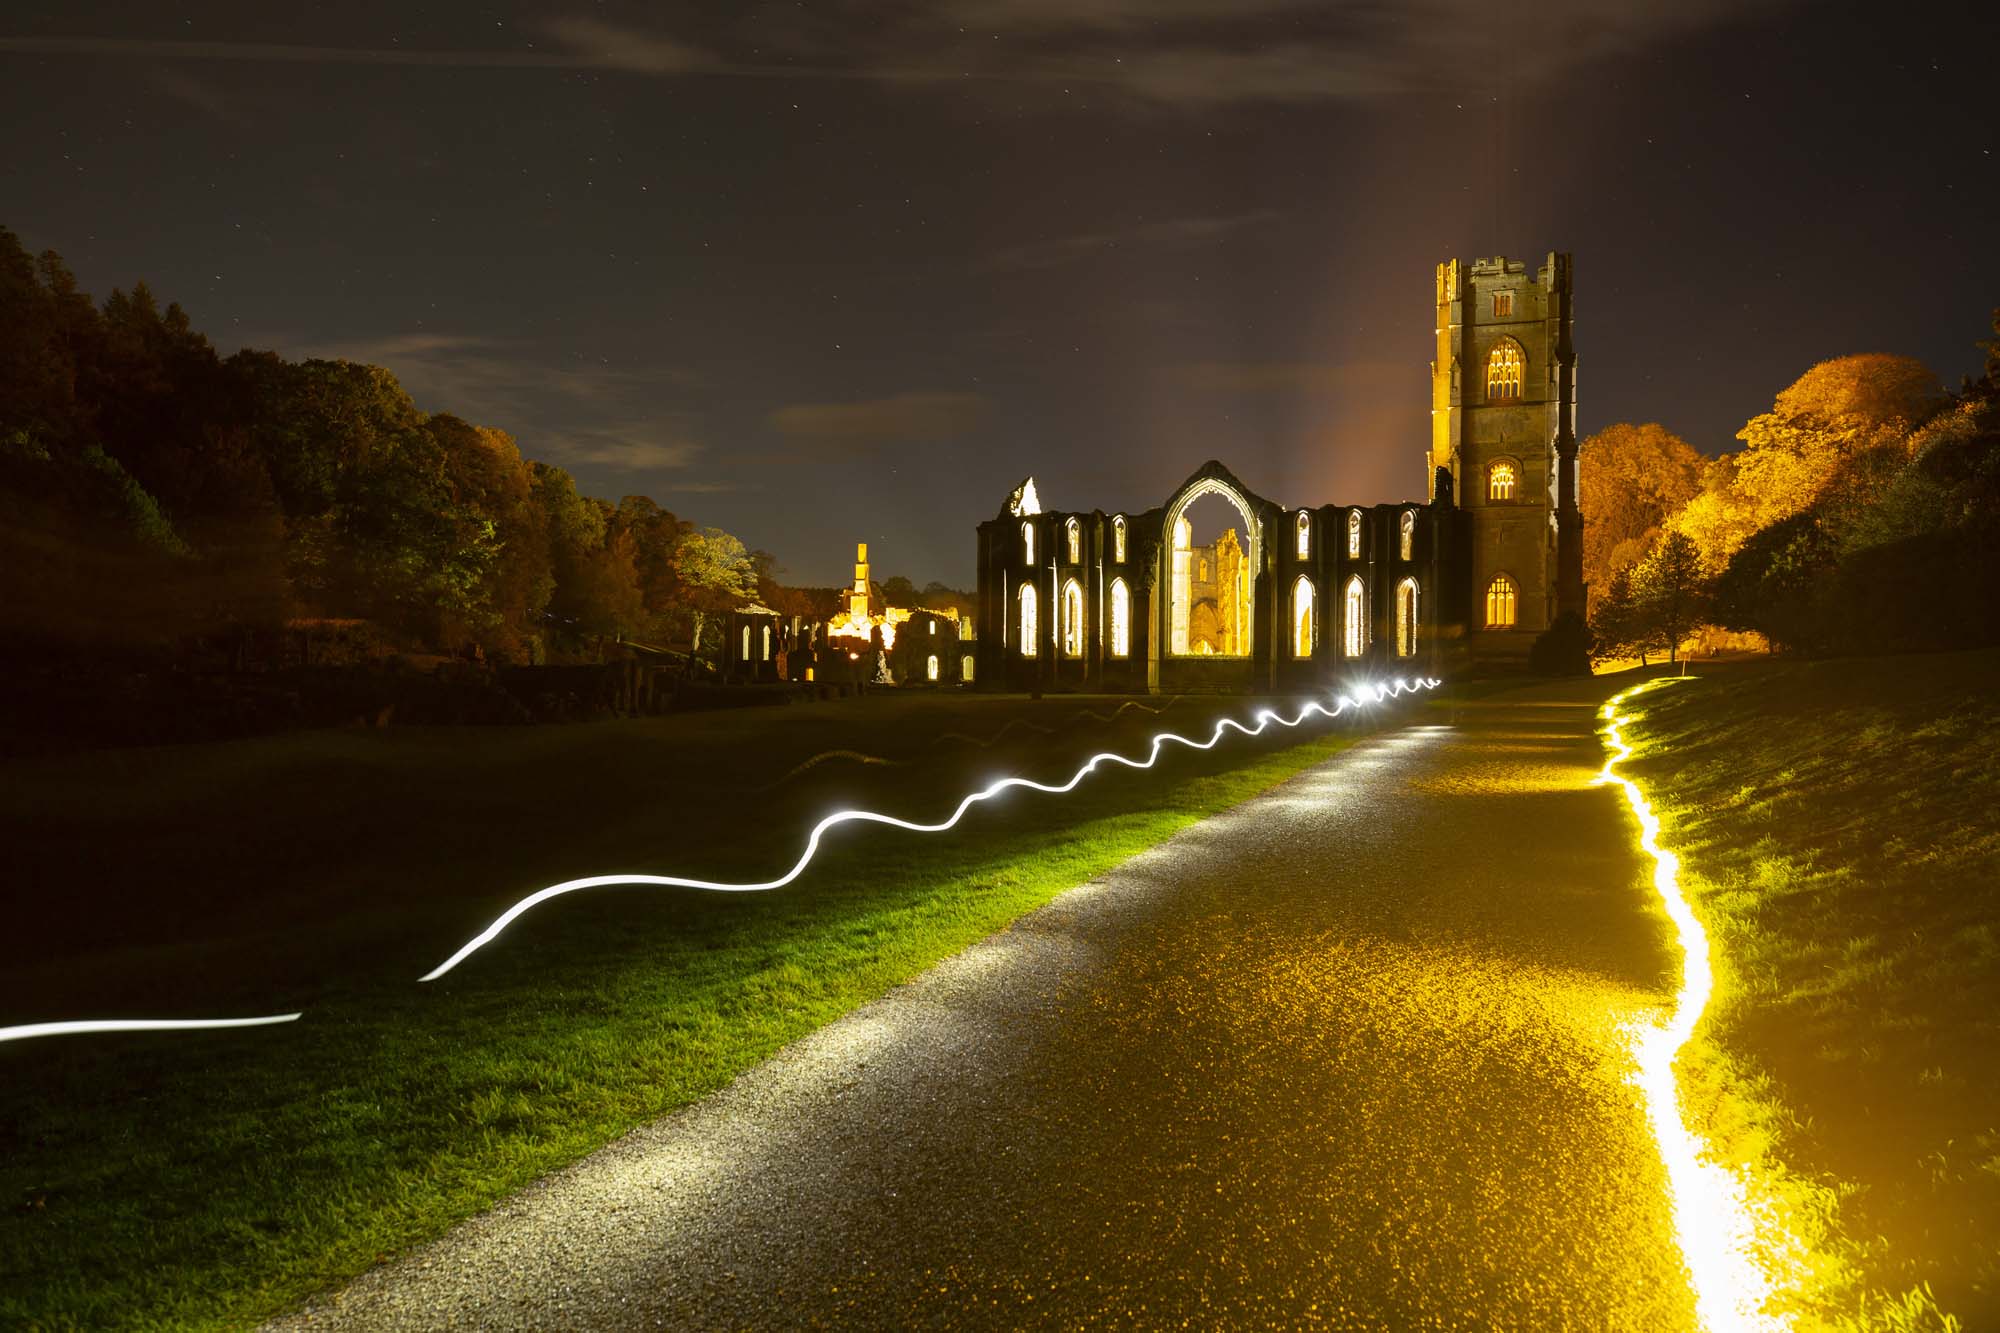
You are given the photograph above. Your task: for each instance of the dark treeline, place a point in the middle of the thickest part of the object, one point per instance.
(156, 498)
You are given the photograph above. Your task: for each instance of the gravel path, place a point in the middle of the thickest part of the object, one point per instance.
(1344, 1056)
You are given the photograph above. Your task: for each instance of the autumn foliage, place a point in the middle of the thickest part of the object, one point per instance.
(154, 494)
(1861, 514)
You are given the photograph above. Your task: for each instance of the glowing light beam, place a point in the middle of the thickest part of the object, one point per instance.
(74, 1027)
(1733, 1246)
(1367, 694)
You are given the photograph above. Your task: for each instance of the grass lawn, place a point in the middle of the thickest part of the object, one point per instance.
(208, 1179)
(1839, 824)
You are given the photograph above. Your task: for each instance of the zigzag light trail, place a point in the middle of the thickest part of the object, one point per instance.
(1730, 1246)
(1354, 699)
(1265, 717)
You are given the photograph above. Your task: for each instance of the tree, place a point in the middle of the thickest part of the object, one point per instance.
(1631, 480)
(1774, 582)
(1671, 593)
(716, 576)
(1614, 620)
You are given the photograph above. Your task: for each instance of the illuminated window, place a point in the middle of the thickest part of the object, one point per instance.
(1500, 481)
(931, 668)
(1121, 619)
(1073, 536)
(1027, 620)
(744, 656)
(1409, 533)
(1305, 534)
(1355, 618)
(1406, 618)
(1028, 542)
(1503, 305)
(1505, 368)
(1072, 619)
(1354, 534)
(1500, 596)
(1302, 618)
(933, 626)
(965, 667)
(767, 644)
(1118, 539)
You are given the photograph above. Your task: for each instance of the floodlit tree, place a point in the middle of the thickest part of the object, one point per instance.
(1671, 592)
(716, 576)
(1631, 480)
(1831, 440)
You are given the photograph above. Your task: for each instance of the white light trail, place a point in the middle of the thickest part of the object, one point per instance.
(74, 1027)
(1367, 694)
(1726, 1242)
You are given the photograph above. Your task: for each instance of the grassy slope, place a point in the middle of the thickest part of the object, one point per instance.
(210, 1179)
(1838, 826)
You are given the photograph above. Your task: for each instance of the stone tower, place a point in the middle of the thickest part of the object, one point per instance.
(857, 600)
(1503, 423)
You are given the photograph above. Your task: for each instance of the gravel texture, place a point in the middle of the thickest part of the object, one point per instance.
(1348, 1055)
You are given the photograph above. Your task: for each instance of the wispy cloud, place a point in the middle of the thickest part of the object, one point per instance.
(1139, 54)
(586, 414)
(851, 429)
(1162, 236)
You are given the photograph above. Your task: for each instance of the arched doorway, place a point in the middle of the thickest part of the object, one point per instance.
(1214, 549)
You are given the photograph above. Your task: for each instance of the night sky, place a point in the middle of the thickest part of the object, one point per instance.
(828, 273)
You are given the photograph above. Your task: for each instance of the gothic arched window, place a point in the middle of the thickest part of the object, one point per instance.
(931, 668)
(1355, 618)
(1506, 368)
(1073, 536)
(744, 656)
(1500, 599)
(1072, 619)
(1305, 535)
(1118, 539)
(1500, 479)
(1027, 543)
(1406, 618)
(1121, 619)
(1409, 533)
(767, 644)
(1354, 534)
(1302, 618)
(1028, 627)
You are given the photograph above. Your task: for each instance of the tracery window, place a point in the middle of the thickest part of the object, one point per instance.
(1305, 534)
(1409, 525)
(1073, 536)
(1500, 600)
(1506, 368)
(1503, 305)
(1406, 618)
(1302, 618)
(1500, 481)
(1121, 619)
(1354, 534)
(1118, 539)
(1028, 631)
(1355, 618)
(1072, 619)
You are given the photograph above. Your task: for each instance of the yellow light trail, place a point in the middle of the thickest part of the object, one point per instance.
(1355, 698)
(1739, 1255)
